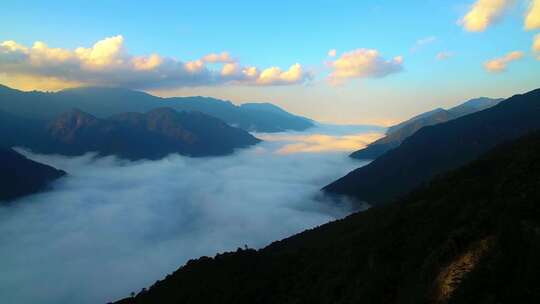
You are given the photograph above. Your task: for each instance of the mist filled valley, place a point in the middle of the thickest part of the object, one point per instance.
(278, 152)
(112, 226)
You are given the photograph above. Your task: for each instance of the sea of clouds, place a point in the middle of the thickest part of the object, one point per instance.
(112, 226)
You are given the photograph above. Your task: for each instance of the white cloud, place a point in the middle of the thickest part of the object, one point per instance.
(332, 53)
(484, 13)
(275, 75)
(230, 69)
(104, 53)
(362, 63)
(107, 62)
(147, 63)
(444, 55)
(317, 143)
(499, 65)
(219, 58)
(532, 18)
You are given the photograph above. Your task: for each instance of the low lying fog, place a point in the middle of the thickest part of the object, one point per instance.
(112, 226)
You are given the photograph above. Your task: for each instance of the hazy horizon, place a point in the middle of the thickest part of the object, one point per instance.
(381, 123)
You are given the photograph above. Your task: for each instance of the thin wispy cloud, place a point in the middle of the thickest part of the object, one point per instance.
(484, 13)
(420, 43)
(362, 63)
(444, 55)
(108, 62)
(499, 65)
(223, 57)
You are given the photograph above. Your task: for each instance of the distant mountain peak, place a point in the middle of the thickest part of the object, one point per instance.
(77, 117)
(473, 105)
(441, 147)
(67, 125)
(131, 135)
(104, 102)
(163, 111)
(97, 89)
(396, 134)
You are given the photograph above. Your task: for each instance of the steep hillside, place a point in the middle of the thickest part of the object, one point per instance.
(105, 102)
(395, 135)
(436, 149)
(471, 236)
(20, 176)
(152, 135)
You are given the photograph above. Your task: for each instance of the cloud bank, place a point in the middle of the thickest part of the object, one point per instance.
(362, 63)
(316, 143)
(108, 63)
(499, 65)
(484, 13)
(112, 226)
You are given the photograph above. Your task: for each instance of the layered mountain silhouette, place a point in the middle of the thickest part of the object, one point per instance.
(436, 149)
(151, 135)
(470, 236)
(105, 102)
(395, 135)
(20, 176)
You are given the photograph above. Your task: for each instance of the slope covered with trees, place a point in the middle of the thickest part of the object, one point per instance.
(395, 135)
(151, 135)
(470, 236)
(105, 102)
(436, 149)
(20, 176)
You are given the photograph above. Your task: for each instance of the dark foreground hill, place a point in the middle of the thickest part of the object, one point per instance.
(105, 102)
(436, 149)
(471, 236)
(20, 176)
(398, 133)
(152, 135)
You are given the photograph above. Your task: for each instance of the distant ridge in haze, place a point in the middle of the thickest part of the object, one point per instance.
(20, 176)
(395, 135)
(105, 102)
(152, 135)
(436, 149)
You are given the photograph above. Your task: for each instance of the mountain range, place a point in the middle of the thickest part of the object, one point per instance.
(395, 135)
(469, 236)
(20, 176)
(151, 135)
(105, 102)
(439, 148)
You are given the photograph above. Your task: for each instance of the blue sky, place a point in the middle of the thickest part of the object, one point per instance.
(282, 33)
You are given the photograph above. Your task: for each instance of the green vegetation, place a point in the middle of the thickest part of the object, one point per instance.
(105, 102)
(395, 135)
(21, 176)
(471, 236)
(437, 149)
